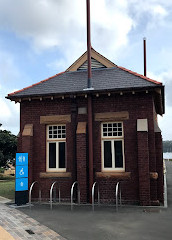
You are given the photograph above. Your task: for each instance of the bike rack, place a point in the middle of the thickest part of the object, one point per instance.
(93, 191)
(51, 193)
(30, 192)
(72, 188)
(117, 191)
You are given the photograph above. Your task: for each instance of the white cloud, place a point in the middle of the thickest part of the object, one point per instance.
(159, 10)
(8, 69)
(6, 114)
(50, 23)
(165, 123)
(166, 78)
(149, 14)
(9, 112)
(9, 115)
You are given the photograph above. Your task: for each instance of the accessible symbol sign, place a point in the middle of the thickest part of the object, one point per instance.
(21, 183)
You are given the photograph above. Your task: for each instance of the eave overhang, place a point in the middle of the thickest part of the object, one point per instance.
(157, 91)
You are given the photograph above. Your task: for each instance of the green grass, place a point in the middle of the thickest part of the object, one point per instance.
(7, 188)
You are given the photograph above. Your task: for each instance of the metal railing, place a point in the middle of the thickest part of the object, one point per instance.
(51, 193)
(118, 188)
(93, 191)
(30, 192)
(72, 188)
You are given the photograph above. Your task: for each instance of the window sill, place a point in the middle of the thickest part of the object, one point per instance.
(55, 175)
(116, 175)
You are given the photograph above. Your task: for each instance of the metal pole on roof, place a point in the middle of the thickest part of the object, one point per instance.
(144, 53)
(90, 114)
(89, 82)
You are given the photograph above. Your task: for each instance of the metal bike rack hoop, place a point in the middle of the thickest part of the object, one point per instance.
(51, 193)
(118, 187)
(30, 192)
(72, 188)
(93, 191)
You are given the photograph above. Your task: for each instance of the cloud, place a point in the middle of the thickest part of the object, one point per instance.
(9, 74)
(62, 24)
(9, 117)
(149, 14)
(8, 68)
(166, 78)
(165, 122)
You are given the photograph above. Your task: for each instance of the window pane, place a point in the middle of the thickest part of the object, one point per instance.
(52, 155)
(107, 154)
(118, 154)
(61, 154)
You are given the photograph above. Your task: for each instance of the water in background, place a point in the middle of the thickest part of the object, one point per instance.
(167, 155)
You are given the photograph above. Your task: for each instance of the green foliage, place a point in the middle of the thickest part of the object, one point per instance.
(8, 147)
(167, 146)
(1, 170)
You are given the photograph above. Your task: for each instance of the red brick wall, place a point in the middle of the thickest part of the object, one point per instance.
(30, 113)
(159, 162)
(82, 166)
(139, 106)
(143, 168)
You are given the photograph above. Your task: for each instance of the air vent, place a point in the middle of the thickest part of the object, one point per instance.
(94, 64)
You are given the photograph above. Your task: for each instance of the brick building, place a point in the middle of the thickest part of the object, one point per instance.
(127, 144)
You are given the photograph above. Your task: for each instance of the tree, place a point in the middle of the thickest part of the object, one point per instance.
(8, 147)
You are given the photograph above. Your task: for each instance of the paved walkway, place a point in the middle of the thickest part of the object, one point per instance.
(13, 226)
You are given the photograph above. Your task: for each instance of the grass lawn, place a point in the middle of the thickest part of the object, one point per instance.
(7, 188)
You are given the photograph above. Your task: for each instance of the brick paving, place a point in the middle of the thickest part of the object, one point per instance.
(16, 223)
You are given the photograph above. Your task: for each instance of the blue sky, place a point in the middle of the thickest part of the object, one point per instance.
(41, 38)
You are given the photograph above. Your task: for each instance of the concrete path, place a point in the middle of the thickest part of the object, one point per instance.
(14, 223)
(131, 223)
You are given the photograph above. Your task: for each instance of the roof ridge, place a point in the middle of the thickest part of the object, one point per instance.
(36, 83)
(140, 75)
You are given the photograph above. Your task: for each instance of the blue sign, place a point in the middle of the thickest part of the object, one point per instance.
(21, 184)
(21, 159)
(21, 171)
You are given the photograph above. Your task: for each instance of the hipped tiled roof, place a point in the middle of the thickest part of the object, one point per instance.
(116, 78)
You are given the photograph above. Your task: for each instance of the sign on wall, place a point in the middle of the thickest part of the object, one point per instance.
(21, 183)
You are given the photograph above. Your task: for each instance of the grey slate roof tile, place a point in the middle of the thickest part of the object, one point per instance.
(73, 82)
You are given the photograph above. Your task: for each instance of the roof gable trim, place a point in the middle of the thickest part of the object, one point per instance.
(97, 56)
(139, 75)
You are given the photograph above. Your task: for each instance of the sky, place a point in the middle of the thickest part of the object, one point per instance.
(44, 37)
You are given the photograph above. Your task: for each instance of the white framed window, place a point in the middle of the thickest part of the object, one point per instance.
(112, 138)
(56, 148)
